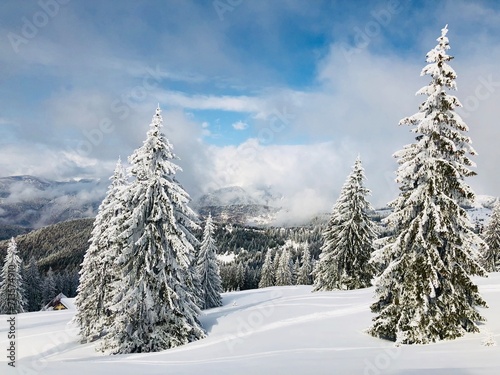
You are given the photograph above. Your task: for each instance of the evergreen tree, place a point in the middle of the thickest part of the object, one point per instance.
(240, 276)
(12, 299)
(284, 273)
(97, 273)
(33, 286)
(208, 269)
(229, 276)
(267, 277)
(305, 270)
(252, 278)
(49, 290)
(59, 282)
(426, 292)
(276, 264)
(348, 239)
(72, 281)
(491, 236)
(155, 307)
(295, 271)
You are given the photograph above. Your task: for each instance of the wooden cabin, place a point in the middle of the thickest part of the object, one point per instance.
(56, 303)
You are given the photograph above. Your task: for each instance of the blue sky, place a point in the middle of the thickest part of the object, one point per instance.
(254, 93)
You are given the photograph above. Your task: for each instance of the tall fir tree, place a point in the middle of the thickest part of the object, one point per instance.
(276, 263)
(155, 306)
(284, 273)
(348, 239)
(49, 288)
(295, 271)
(33, 286)
(267, 275)
(426, 293)
(97, 274)
(208, 269)
(12, 300)
(305, 270)
(241, 274)
(491, 235)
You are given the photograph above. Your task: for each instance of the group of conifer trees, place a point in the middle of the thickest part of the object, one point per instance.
(422, 273)
(25, 288)
(145, 276)
(280, 270)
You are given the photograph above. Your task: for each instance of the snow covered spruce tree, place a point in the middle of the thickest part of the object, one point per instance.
(284, 273)
(305, 271)
(98, 271)
(491, 236)
(12, 299)
(33, 286)
(49, 287)
(267, 277)
(208, 269)
(426, 293)
(155, 306)
(348, 239)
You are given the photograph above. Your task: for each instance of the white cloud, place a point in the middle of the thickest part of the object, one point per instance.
(308, 176)
(240, 125)
(352, 107)
(39, 160)
(241, 103)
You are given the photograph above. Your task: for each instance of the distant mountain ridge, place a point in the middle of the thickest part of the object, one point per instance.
(234, 204)
(228, 196)
(62, 243)
(28, 202)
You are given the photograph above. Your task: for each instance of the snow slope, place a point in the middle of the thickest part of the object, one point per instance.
(279, 330)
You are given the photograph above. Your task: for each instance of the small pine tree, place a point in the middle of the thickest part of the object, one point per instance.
(491, 236)
(12, 300)
(208, 269)
(305, 270)
(284, 274)
(97, 273)
(49, 287)
(426, 293)
(348, 239)
(241, 273)
(229, 276)
(276, 264)
(267, 277)
(33, 286)
(295, 271)
(155, 305)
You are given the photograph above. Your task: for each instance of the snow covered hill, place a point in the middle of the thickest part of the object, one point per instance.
(279, 330)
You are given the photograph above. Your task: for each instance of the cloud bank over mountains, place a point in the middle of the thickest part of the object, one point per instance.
(279, 94)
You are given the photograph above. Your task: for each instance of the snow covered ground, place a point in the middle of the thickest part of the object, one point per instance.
(279, 330)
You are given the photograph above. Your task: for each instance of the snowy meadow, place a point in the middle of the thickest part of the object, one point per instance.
(277, 330)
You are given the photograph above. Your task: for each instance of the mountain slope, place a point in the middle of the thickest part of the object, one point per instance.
(60, 246)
